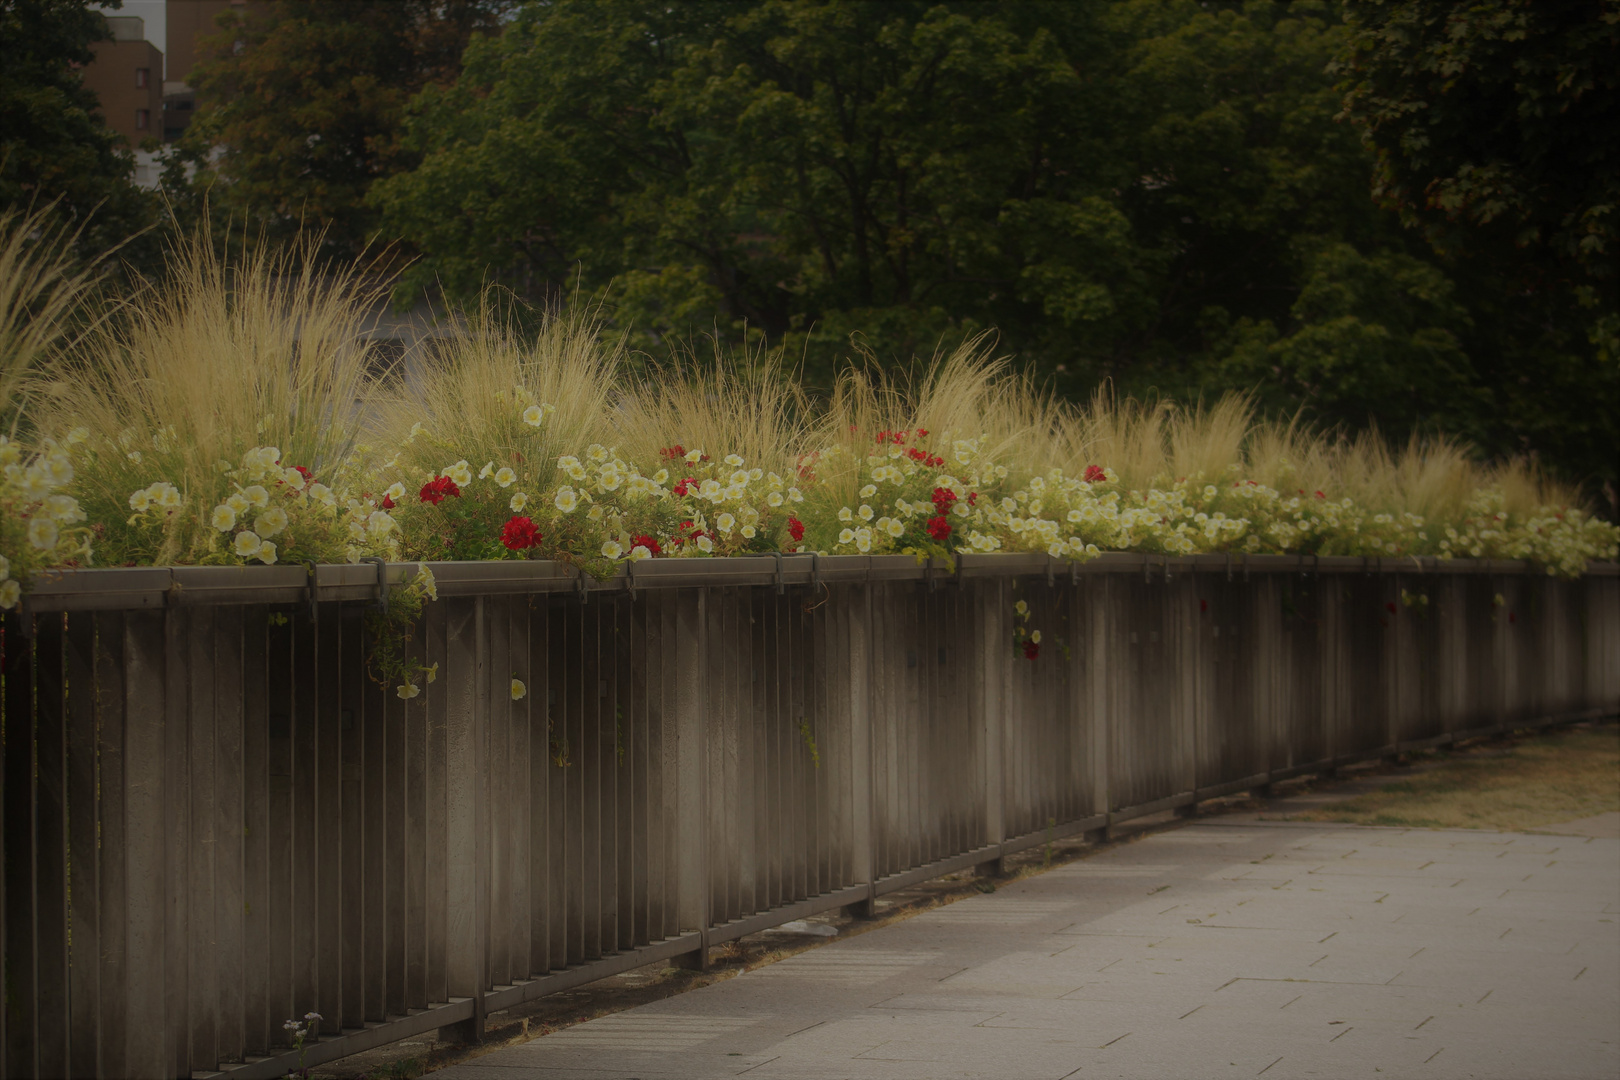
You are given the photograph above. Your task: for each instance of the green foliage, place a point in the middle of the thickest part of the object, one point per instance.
(54, 145)
(306, 103)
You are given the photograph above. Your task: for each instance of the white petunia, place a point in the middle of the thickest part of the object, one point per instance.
(396, 491)
(868, 491)
(747, 531)
(247, 543)
(694, 456)
(519, 501)
(505, 477)
(266, 553)
(63, 509)
(566, 500)
(518, 690)
(865, 512)
(639, 552)
(43, 533)
(460, 473)
(533, 415)
(612, 549)
(293, 479)
(734, 461)
(489, 467)
(223, 519)
(847, 536)
(256, 496)
(407, 690)
(379, 524)
(846, 514)
(10, 593)
(724, 522)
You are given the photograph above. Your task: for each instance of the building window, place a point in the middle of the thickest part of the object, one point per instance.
(143, 119)
(143, 78)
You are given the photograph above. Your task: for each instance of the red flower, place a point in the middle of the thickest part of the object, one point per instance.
(1095, 474)
(922, 433)
(795, 528)
(387, 503)
(434, 491)
(673, 452)
(647, 542)
(683, 486)
(520, 533)
(1203, 605)
(305, 473)
(943, 498)
(1390, 607)
(1031, 650)
(973, 497)
(1319, 495)
(917, 455)
(939, 528)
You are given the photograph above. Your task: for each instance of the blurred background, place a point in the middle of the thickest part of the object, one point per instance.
(1398, 214)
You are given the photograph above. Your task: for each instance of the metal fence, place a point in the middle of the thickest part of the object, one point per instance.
(213, 820)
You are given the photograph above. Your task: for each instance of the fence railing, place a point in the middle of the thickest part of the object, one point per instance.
(214, 821)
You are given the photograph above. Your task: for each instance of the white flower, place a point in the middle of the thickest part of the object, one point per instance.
(5, 572)
(774, 499)
(1035, 636)
(270, 522)
(896, 527)
(612, 549)
(293, 479)
(323, 494)
(407, 690)
(247, 543)
(432, 672)
(694, 456)
(724, 522)
(734, 461)
(566, 500)
(865, 512)
(505, 477)
(747, 531)
(224, 518)
(266, 553)
(396, 491)
(704, 544)
(379, 524)
(489, 467)
(256, 496)
(416, 429)
(43, 533)
(847, 536)
(518, 690)
(59, 468)
(710, 489)
(533, 415)
(460, 473)
(519, 501)
(609, 479)
(863, 541)
(237, 503)
(63, 509)
(639, 552)
(1022, 609)
(10, 593)
(846, 514)
(868, 491)
(661, 477)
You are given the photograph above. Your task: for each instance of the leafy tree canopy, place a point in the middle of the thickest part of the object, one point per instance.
(304, 102)
(54, 145)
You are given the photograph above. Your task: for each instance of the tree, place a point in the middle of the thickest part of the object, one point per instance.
(303, 105)
(54, 145)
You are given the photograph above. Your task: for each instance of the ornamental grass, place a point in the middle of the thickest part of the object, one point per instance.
(227, 417)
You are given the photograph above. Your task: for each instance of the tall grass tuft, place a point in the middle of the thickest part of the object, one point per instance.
(221, 356)
(469, 400)
(721, 405)
(42, 287)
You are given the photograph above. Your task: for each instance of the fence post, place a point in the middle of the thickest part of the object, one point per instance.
(467, 709)
(692, 870)
(995, 653)
(854, 659)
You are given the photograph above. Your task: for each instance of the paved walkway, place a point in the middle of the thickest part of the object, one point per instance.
(1231, 947)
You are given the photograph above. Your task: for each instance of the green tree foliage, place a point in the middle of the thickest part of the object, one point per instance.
(53, 143)
(305, 103)
(1495, 127)
(1127, 190)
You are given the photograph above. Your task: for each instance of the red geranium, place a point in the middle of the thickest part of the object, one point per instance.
(1031, 650)
(387, 503)
(939, 528)
(1095, 475)
(519, 533)
(795, 529)
(673, 452)
(943, 498)
(647, 542)
(434, 491)
(682, 486)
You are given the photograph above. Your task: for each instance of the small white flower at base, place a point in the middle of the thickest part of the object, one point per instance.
(865, 512)
(43, 533)
(725, 522)
(747, 531)
(846, 514)
(505, 477)
(533, 415)
(10, 593)
(271, 522)
(247, 543)
(407, 690)
(267, 553)
(519, 501)
(223, 519)
(379, 524)
(431, 673)
(704, 544)
(612, 549)
(566, 500)
(518, 690)
(293, 479)
(847, 536)
(1022, 608)
(489, 467)
(640, 552)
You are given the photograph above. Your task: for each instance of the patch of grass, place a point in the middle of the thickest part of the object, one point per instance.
(1530, 784)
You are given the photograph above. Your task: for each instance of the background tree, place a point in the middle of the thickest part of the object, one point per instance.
(303, 105)
(53, 143)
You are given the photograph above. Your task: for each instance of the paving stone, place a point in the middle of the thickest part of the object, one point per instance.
(1279, 949)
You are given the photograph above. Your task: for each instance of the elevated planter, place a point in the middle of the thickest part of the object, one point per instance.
(214, 821)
